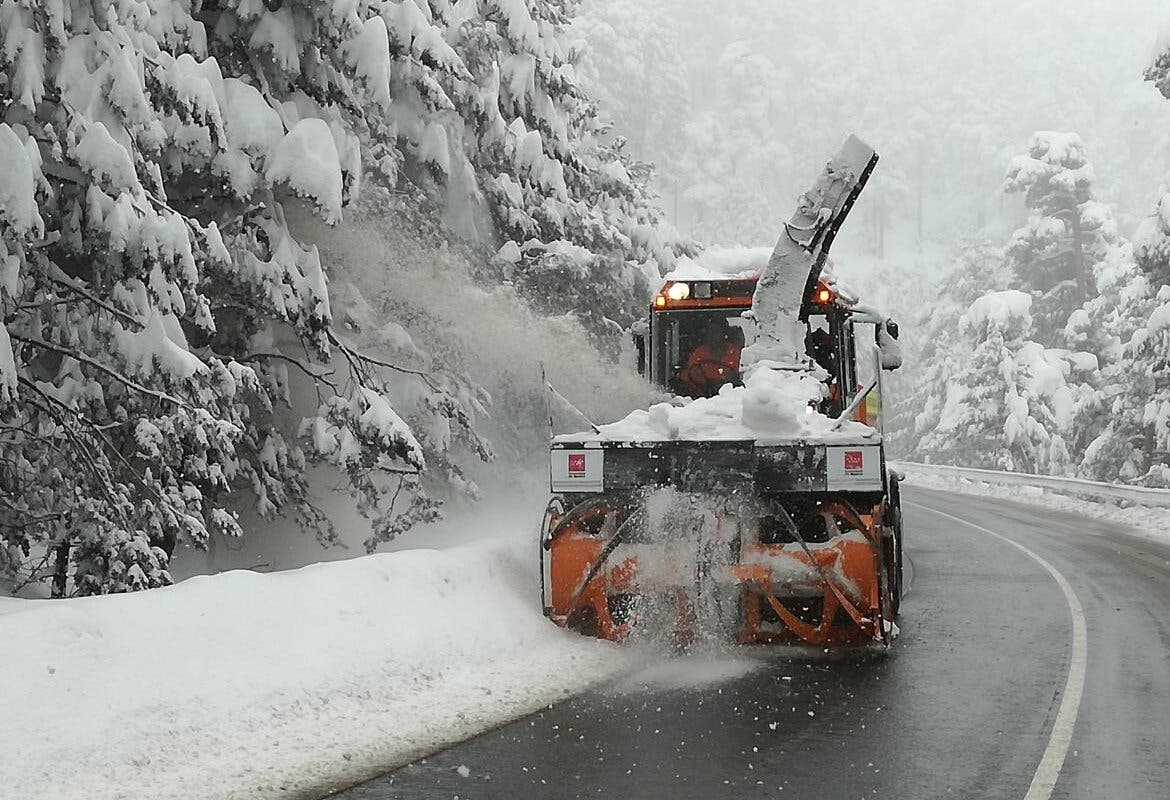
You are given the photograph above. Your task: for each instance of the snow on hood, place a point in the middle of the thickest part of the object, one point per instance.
(772, 407)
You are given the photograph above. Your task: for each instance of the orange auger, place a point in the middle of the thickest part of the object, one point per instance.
(833, 585)
(854, 601)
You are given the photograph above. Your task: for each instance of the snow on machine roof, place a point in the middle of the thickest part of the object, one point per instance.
(722, 264)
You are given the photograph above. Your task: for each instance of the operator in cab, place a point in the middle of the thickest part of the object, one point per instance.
(713, 363)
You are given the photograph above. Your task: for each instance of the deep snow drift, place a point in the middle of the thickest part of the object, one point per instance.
(282, 685)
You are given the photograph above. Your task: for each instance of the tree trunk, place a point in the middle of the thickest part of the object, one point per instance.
(1148, 444)
(1079, 258)
(61, 569)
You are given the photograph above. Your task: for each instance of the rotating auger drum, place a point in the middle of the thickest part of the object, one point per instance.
(797, 563)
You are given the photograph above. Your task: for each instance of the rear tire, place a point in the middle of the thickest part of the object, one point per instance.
(895, 571)
(896, 577)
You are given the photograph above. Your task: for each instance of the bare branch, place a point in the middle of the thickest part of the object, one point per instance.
(316, 374)
(91, 297)
(84, 359)
(353, 355)
(88, 459)
(34, 573)
(29, 517)
(101, 431)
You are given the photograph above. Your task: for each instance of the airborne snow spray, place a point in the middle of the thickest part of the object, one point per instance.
(685, 548)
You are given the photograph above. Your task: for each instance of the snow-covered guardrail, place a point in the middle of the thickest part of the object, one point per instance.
(1090, 490)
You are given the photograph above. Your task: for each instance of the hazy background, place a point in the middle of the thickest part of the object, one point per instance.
(738, 103)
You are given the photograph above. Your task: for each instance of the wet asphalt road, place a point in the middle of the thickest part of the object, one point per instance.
(961, 706)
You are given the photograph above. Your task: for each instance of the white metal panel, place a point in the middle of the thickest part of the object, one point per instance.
(578, 470)
(856, 468)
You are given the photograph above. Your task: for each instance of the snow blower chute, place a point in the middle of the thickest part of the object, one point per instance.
(759, 500)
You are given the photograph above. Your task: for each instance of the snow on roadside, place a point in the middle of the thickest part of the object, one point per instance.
(1152, 523)
(291, 684)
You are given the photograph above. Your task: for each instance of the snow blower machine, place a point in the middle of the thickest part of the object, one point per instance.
(756, 504)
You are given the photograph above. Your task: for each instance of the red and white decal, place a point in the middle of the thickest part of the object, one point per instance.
(854, 467)
(578, 470)
(854, 462)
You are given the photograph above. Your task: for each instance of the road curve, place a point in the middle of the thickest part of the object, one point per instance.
(969, 703)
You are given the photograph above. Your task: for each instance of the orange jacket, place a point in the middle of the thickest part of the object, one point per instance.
(707, 368)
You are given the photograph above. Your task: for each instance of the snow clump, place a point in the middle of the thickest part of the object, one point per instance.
(306, 159)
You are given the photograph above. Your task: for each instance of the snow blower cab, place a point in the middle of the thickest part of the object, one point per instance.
(700, 321)
(757, 505)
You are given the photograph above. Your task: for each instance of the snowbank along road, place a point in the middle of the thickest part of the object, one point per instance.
(1033, 664)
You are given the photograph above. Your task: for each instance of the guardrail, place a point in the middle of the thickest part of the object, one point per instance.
(1092, 490)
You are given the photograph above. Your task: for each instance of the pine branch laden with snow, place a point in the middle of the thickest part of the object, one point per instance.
(1067, 231)
(152, 297)
(550, 170)
(1158, 73)
(159, 315)
(1008, 404)
(978, 269)
(1133, 444)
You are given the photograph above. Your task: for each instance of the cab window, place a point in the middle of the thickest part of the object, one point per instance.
(679, 334)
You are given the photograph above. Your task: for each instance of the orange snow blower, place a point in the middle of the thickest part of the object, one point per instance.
(758, 540)
(806, 560)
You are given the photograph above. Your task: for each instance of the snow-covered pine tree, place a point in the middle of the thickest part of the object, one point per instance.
(581, 228)
(158, 310)
(970, 423)
(1152, 241)
(1158, 73)
(1144, 445)
(979, 268)
(1133, 439)
(153, 301)
(1067, 232)
(1102, 331)
(1134, 445)
(1007, 401)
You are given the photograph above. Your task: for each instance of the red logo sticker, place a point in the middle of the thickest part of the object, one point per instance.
(576, 463)
(854, 461)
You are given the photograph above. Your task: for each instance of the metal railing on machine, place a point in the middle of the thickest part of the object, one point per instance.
(1076, 487)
